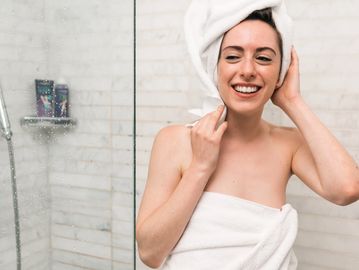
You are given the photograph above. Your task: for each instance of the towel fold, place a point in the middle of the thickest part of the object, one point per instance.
(205, 23)
(229, 233)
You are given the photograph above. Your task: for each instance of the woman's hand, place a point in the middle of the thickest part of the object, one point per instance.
(206, 139)
(290, 89)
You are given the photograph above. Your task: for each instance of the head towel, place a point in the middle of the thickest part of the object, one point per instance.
(205, 23)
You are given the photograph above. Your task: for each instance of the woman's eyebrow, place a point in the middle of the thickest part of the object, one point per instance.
(266, 48)
(239, 48)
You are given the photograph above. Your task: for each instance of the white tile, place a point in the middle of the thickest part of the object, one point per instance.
(123, 212)
(86, 235)
(122, 227)
(80, 180)
(80, 260)
(326, 258)
(81, 194)
(82, 221)
(96, 250)
(123, 255)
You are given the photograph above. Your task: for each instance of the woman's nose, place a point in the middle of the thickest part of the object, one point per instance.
(247, 69)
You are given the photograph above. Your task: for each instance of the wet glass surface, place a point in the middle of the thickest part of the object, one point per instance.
(74, 177)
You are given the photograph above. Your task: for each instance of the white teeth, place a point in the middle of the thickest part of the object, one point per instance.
(246, 89)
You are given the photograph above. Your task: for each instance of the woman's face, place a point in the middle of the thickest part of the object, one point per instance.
(249, 66)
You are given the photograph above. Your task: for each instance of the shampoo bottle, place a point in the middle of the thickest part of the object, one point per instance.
(61, 99)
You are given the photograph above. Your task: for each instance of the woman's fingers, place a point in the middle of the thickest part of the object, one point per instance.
(218, 115)
(210, 120)
(294, 55)
(221, 129)
(294, 61)
(205, 140)
(290, 88)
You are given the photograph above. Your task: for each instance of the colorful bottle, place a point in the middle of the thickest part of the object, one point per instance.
(61, 100)
(44, 98)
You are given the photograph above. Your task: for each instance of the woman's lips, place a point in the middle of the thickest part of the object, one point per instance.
(246, 91)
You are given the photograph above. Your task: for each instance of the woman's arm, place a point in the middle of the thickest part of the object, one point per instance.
(320, 160)
(169, 197)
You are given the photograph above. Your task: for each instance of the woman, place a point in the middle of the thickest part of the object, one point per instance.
(243, 157)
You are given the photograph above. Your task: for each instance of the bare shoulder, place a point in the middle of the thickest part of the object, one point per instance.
(174, 141)
(288, 136)
(173, 133)
(174, 136)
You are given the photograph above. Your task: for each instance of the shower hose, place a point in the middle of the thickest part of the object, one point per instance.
(15, 204)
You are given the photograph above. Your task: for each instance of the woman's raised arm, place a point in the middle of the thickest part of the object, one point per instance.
(171, 195)
(320, 161)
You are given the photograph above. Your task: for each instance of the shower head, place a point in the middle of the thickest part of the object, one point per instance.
(4, 119)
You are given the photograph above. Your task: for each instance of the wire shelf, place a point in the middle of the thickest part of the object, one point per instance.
(51, 122)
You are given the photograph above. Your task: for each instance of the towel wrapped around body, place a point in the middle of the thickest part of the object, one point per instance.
(229, 233)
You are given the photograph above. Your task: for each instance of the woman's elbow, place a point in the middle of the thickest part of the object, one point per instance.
(350, 195)
(147, 255)
(149, 259)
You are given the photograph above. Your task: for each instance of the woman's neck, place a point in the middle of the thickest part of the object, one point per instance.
(244, 127)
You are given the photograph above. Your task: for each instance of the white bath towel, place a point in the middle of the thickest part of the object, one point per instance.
(205, 23)
(229, 233)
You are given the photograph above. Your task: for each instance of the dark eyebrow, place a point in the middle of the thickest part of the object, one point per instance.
(260, 49)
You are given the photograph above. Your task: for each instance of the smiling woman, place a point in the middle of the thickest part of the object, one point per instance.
(220, 201)
(249, 64)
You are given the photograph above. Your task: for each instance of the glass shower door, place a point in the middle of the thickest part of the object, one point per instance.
(75, 182)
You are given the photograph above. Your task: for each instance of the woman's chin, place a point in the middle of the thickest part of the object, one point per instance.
(245, 110)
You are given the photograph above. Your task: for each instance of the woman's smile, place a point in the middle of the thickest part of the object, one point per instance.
(245, 90)
(249, 66)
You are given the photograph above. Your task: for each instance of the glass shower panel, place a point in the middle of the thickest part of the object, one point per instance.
(74, 178)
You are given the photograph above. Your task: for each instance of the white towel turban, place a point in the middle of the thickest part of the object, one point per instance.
(205, 23)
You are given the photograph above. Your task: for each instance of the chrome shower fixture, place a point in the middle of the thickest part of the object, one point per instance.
(4, 119)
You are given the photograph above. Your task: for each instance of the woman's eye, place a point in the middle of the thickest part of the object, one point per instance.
(264, 58)
(232, 57)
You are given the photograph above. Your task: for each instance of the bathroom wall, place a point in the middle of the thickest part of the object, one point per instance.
(329, 52)
(75, 185)
(23, 58)
(327, 44)
(90, 167)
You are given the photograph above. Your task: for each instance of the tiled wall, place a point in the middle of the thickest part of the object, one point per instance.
(75, 186)
(91, 47)
(327, 43)
(328, 47)
(22, 59)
